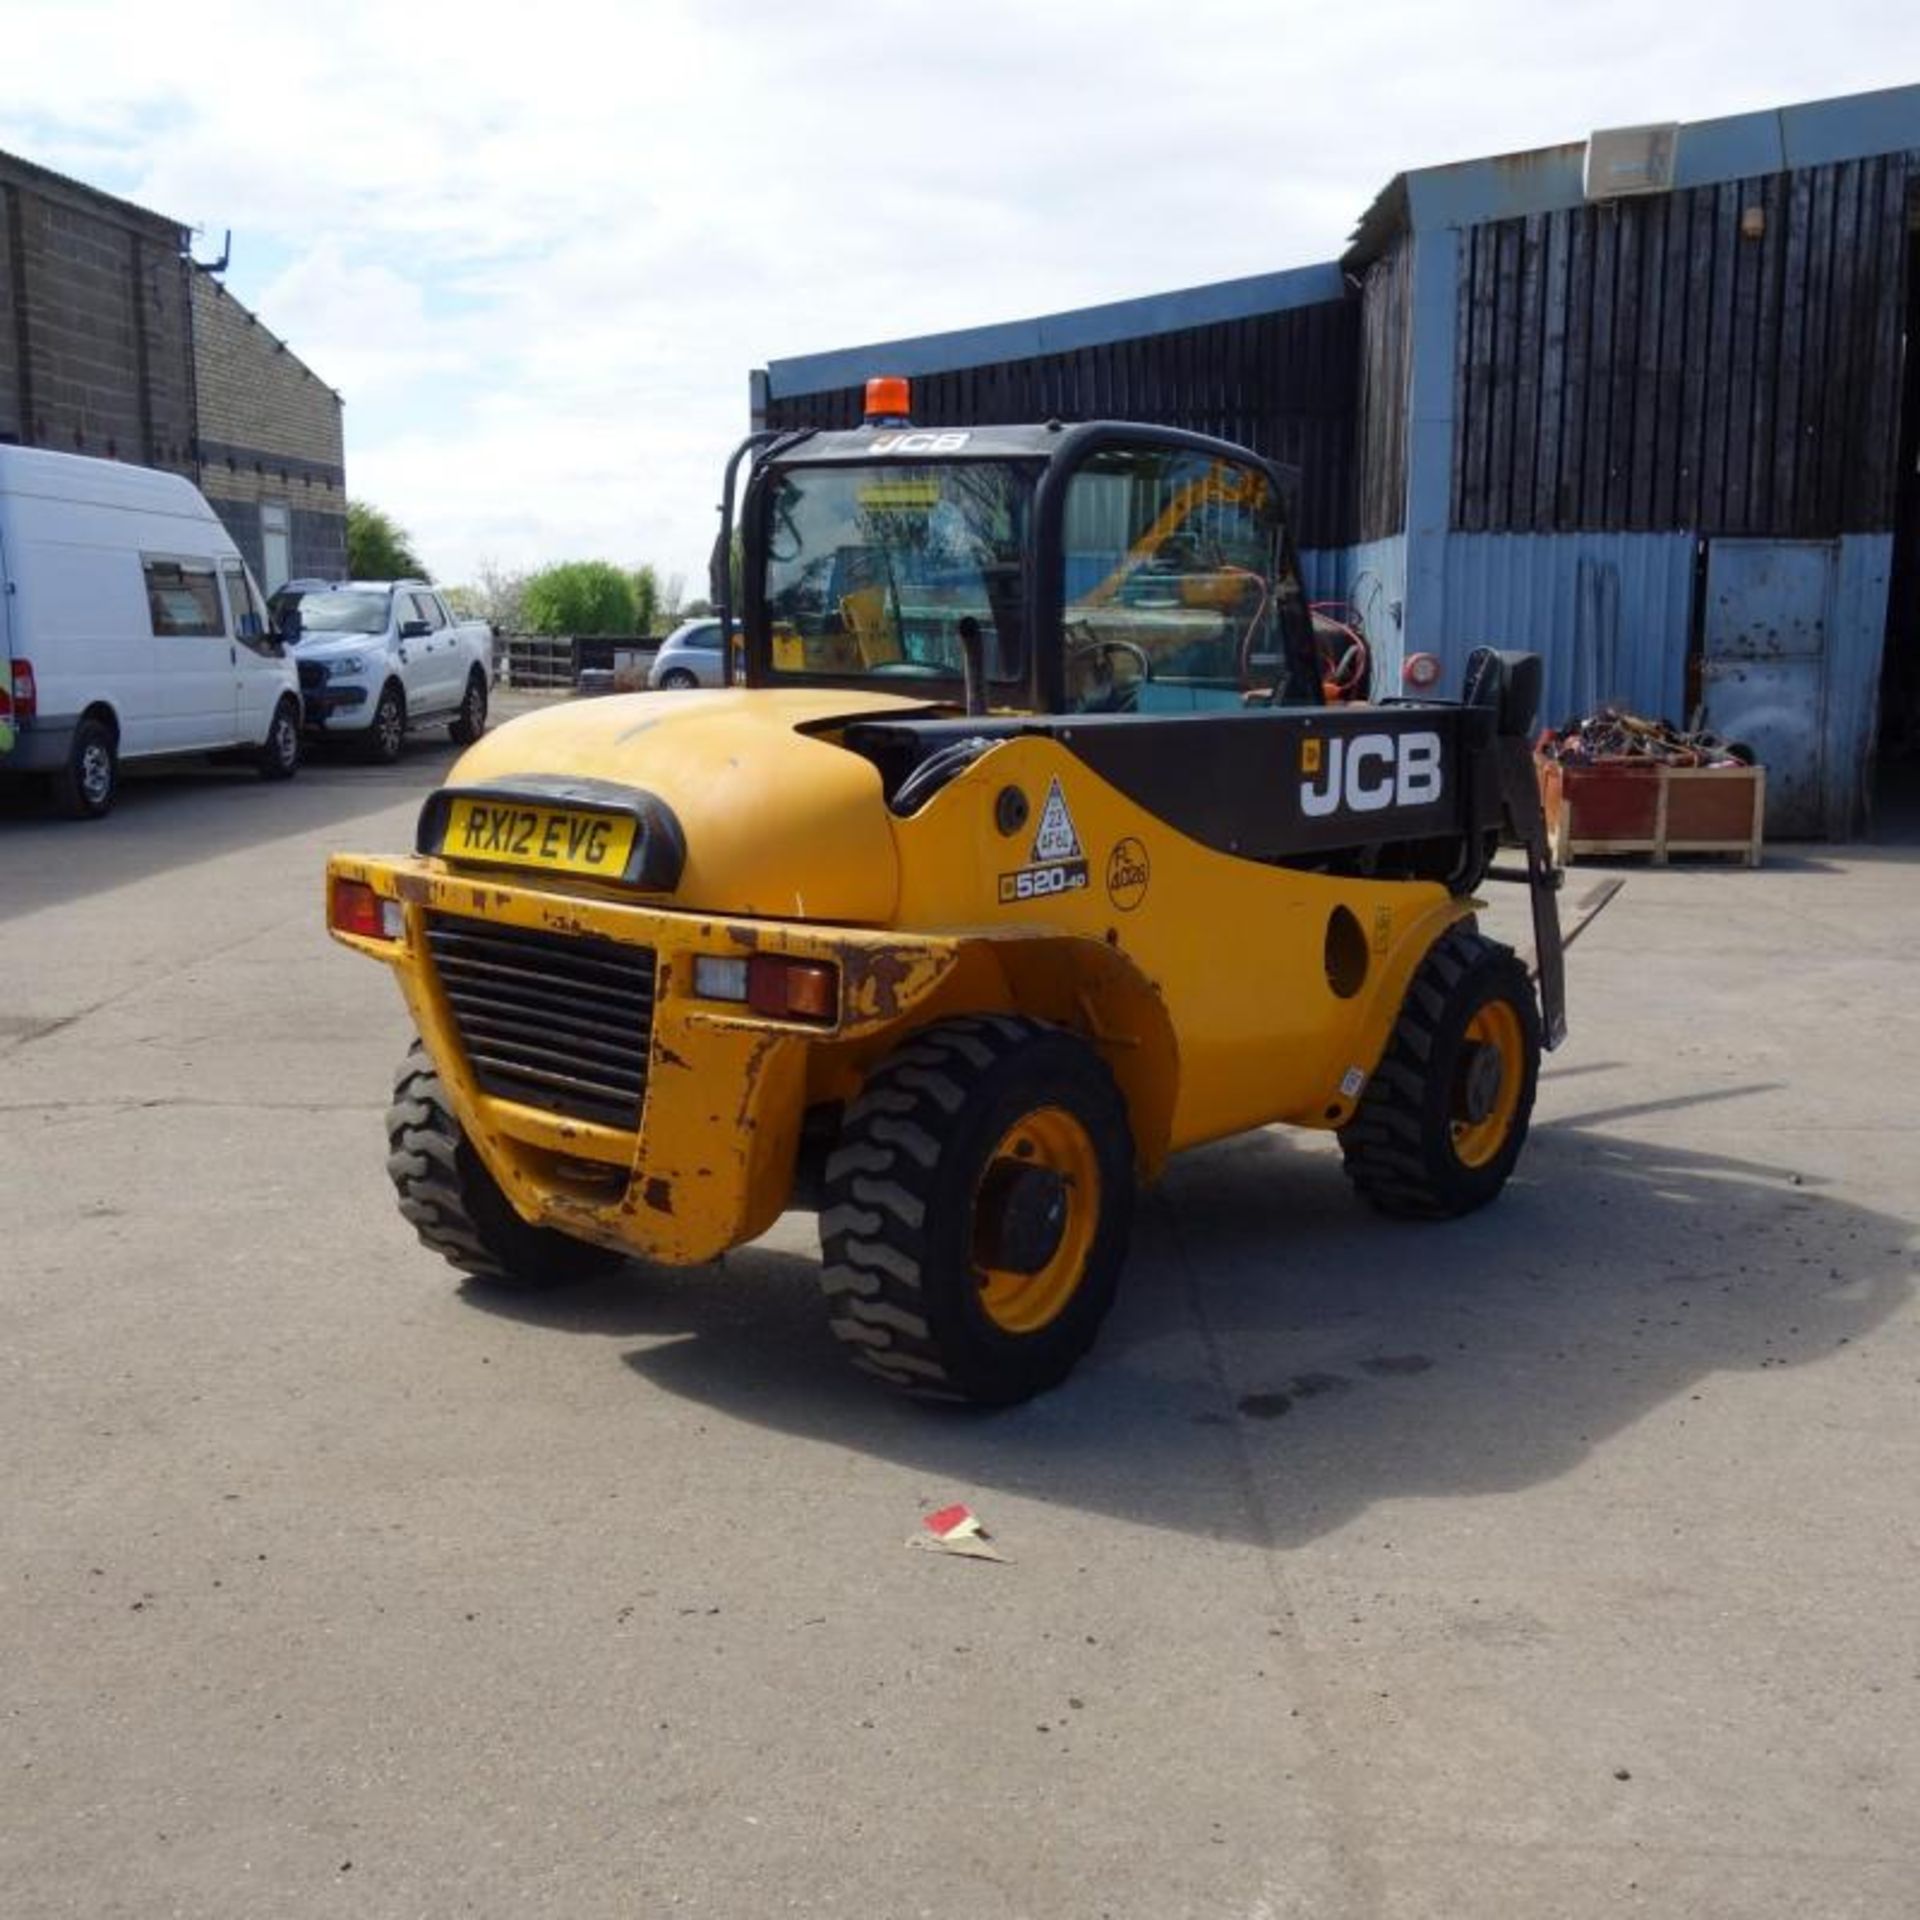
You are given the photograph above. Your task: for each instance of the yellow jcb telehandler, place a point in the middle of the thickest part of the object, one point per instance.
(1021, 851)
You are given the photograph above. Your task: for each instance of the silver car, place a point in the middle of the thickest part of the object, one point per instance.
(689, 656)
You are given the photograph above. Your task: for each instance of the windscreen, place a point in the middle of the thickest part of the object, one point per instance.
(872, 569)
(343, 613)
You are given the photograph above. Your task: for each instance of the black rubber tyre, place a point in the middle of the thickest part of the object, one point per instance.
(455, 1204)
(675, 679)
(906, 1211)
(388, 732)
(279, 755)
(1444, 1117)
(87, 786)
(471, 722)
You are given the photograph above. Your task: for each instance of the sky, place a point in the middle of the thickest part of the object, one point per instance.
(538, 248)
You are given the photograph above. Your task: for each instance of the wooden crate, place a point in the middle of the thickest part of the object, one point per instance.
(1653, 810)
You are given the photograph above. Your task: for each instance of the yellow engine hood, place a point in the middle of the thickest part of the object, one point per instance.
(777, 822)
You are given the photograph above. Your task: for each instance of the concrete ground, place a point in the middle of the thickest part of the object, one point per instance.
(1557, 1562)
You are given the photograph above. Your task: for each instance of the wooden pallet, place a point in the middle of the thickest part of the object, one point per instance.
(1656, 810)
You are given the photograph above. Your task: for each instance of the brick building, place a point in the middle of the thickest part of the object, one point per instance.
(113, 343)
(95, 347)
(269, 439)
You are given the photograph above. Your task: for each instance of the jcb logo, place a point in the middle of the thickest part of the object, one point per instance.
(1371, 771)
(918, 442)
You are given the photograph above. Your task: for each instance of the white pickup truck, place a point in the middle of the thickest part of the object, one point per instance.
(379, 656)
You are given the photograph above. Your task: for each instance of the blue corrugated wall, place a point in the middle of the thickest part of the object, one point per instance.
(1856, 635)
(1608, 612)
(1372, 578)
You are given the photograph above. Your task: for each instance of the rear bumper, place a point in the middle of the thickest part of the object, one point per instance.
(725, 1091)
(39, 745)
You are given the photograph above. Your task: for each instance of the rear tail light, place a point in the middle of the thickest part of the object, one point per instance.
(786, 989)
(18, 694)
(354, 907)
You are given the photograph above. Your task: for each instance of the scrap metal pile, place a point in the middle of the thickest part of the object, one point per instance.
(1610, 736)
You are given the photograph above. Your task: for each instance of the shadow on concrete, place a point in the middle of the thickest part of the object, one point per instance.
(1282, 1358)
(182, 815)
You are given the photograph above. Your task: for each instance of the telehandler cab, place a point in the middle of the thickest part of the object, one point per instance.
(1028, 853)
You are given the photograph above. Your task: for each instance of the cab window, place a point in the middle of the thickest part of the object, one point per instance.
(427, 608)
(183, 600)
(243, 604)
(1171, 581)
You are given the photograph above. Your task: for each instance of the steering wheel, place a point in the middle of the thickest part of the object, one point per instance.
(1139, 654)
(1108, 695)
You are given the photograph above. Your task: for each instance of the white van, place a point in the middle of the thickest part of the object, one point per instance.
(129, 629)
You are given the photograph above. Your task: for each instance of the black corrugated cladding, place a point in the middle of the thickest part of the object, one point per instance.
(1282, 383)
(1386, 359)
(1645, 365)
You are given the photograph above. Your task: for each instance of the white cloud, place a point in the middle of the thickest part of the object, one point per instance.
(538, 249)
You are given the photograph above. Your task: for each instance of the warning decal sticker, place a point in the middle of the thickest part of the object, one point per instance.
(1057, 863)
(1056, 839)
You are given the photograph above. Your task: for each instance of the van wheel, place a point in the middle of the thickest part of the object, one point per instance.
(455, 1204)
(86, 787)
(976, 1211)
(279, 755)
(471, 722)
(388, 733)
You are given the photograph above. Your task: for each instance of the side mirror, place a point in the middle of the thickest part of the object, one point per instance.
(286, 625)
(414, 629)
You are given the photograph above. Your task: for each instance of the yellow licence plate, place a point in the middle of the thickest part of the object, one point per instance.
(512, 833)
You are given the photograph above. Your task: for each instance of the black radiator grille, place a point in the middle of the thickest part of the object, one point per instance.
(549, 1019)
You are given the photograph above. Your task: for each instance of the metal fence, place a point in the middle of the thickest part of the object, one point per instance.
(544, 660)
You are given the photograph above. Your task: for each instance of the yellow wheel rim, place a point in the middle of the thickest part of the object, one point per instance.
(1479, 1134)
(1048, 1140)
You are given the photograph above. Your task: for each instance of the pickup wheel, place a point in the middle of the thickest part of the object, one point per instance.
(279, 755)
(455, 1204)
(471, 721)
(1445, 1115)
(976, 1211)
(388, 732)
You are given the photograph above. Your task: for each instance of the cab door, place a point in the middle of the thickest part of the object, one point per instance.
(193, 653)
(417, 642)
(1175, 579)
(259, 661)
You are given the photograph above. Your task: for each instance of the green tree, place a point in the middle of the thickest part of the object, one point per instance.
(501, 591)
(646, 599)
(579, 597)
(378, 547)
